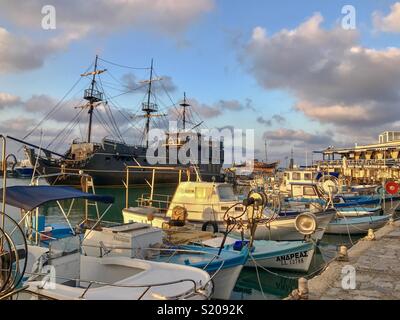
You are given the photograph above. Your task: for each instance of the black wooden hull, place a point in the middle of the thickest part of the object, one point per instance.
(108, 170)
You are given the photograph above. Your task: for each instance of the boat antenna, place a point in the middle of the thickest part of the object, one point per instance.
(291, 163)
(184, 105)
(92, 95)
(266, 152)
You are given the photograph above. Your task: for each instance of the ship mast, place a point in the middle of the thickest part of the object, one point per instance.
(93, 96)
(149, 110)
(148, 107)
(184, 105)
(266, 152)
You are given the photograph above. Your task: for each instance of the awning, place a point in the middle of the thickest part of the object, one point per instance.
(31, 197)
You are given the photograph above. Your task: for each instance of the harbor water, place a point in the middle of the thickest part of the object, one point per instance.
(252, 283)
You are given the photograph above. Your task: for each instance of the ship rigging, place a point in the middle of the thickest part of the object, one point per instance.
(106, 161)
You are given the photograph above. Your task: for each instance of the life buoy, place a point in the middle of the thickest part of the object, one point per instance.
(392, 188)
(210, 223)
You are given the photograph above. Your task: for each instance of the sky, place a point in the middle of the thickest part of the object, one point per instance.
(287, 69)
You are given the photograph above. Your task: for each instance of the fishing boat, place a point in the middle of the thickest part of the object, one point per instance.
(106, 160)
(314, 196)
(121, 278)
(358, 211)
(57, 248)
(279, 255)
(23, 169)
(358, 225)
(205, 205)
(282, 227)
(327, 188)
(141, 240)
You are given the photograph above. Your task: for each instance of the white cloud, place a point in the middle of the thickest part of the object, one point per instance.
(77, 19)
(8, 100)
(104, 16)
(334, 78)
(19, 53)
(290, 135)
(389, 23)
(207, 111)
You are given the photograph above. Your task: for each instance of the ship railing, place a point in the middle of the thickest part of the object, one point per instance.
(363, 162)
(193, 291)
(169, 253)
(179, 171)
(159, 201)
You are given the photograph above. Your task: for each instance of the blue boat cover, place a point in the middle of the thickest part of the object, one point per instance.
(31, 197)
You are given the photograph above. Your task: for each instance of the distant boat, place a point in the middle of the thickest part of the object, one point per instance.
(24, 169)
(246, 172)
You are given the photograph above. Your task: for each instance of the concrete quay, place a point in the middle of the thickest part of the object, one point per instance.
(377, 271)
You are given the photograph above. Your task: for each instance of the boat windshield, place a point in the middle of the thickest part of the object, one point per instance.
(226, 193)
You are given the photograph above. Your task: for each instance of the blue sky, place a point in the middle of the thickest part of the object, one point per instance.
(207, 58)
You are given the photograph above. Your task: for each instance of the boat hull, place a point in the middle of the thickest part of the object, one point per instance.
(23, 173)
(351, 212)
(108, 169)
(356, 225)
(123, 278)
(282, 229)
(224, 282)
(289, 258)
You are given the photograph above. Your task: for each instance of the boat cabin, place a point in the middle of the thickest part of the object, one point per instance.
(304, 190)
(295, 177)
(203, 200)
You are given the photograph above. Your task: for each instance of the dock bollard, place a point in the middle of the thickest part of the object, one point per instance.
(342, 255)
(303, 288)
(370, 236)
(301, 293)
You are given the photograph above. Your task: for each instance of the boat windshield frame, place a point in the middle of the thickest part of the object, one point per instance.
(29, 216)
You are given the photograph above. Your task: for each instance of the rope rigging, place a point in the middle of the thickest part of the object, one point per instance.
(123, 66)
(56, 107)
(108, 120)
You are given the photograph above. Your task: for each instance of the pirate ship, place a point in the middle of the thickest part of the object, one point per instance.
(106, 161)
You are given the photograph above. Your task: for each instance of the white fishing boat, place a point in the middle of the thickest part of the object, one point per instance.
(113, 278)
(358, 225)
(141, 240)
(205, 204)
(282, 226)
(358, 211)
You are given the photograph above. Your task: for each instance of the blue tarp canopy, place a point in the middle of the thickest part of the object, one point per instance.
(31, 197)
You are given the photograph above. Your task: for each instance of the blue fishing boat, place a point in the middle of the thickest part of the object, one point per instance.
(280, 255)
(224, 266)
